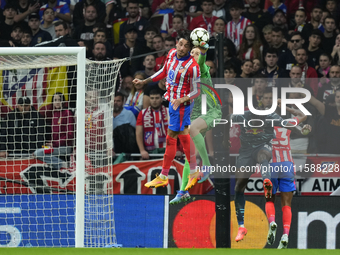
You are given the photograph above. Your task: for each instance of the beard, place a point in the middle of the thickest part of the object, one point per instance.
(117, 109)
(99, 57)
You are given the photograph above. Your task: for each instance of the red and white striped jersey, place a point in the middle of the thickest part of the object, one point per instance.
(182, 75)
(167, 22)
(235, 31)
(281, 144)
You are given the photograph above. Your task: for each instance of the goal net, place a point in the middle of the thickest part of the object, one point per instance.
(56, 148)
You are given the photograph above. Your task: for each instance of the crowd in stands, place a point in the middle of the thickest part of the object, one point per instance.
(274, 39)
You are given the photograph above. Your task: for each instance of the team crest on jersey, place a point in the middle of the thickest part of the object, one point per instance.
(182, 70)
(140, 28)
(254, 131)
(39, 40)
(171, 74)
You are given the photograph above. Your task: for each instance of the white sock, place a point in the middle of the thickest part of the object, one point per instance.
(241, 226)
(163, 177)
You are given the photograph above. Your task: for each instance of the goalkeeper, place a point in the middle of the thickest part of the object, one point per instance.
(199, 126)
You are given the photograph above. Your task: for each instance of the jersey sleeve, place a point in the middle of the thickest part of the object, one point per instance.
(195, 80)
(161, 74)
(140, 119)
(204, 69)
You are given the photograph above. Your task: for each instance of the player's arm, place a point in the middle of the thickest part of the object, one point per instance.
(204, 69)
(161, 74)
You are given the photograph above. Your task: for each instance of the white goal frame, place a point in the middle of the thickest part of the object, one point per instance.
(80, 52)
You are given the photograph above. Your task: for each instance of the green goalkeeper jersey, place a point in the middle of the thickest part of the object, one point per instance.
(213, 105)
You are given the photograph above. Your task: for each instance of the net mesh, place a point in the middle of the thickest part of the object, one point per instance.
(38, 151)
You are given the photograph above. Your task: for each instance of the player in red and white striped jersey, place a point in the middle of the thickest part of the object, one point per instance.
(182, 76)
(234, 28)
(282, 176)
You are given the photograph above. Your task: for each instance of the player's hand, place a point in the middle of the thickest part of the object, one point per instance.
(138, 81)
(144, 154)
(306, 129)
(204, 47)
(176, 103)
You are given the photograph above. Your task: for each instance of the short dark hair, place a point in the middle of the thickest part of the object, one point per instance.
(277, 30)
(301, 9)
(185, 34)
(120, 94)
(94, 45)
(62, 98)
(149, 55)
(208, 1)
(158, 36)
(317, 32)
(156, 92)
(132, 2)
(100, 30)
(178, 16)
(236, 5)
(61, 23)
(99, 25)
(330, 17)
(48, 8)
(170, 39)
(230, 67)
(268, 90)
(317, 7)
(329, 56)
(260, 76)
(272, 50)
(152, 28)
(24, 100)
(296, 33)
(27, 31)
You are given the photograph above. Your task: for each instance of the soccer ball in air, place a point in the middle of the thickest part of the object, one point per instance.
(199, 35)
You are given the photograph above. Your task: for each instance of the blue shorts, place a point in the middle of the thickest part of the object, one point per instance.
(179, 118)
(283, 176)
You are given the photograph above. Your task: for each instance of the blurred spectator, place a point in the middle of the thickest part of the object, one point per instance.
(257, 66)
(293, 5)
(118, 11)
(247, 69)
(277, 4)
(251, 46)
(315, 23)
(63, 135)
(309, 75)
(235, 27)
(38, 35)
(168, 22)
(280, 20)
(25, 8)
(134, 19)
(152, 125)
(315, 41)
(9, 13)
(336, 51)
(212, 68)
(329, 35)
(229, 56)
(300, 20)
(267, 35)
(100, 36)
(99, 52)
(169, 43)
(206, 20)
(26, 38)
(61, 9)
(24, 128)
(158, 86)
(330, 87)
(126, 49)
(158, 45)
(120, 114)
(255, 13)
(176, 26)
(83, 34)
(63, 38)
(330, 125)
(260, 85)
(287, 59)
(278, 41)
(193, 8)
(149, 63)
(48, 18)
(322, 69)
(221, 9)
(78, 14)
(16, 35)
(134, 102)
(272, 70)
(127, 85)
(143, 48)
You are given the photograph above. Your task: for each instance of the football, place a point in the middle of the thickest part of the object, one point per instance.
(199, 35)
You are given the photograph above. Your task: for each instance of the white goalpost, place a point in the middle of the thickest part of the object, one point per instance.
(55, 186)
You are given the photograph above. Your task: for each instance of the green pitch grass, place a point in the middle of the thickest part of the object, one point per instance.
(148, 251)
